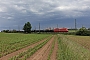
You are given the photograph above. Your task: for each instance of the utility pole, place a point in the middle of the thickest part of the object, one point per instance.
(39, 27)
(35, 29)
(18, 28)
(57, 25)
(9, 28)
(82, 25)
(75, 25)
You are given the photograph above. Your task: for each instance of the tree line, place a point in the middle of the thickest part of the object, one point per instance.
(27, 29)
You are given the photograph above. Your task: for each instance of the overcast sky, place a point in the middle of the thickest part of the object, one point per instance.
(15, 13)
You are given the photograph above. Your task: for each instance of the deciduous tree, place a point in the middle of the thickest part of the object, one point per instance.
(27, 27)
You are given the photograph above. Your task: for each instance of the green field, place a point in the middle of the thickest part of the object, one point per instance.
(10, 42)
(70, 47)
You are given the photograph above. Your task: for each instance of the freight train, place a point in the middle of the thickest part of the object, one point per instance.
(52, 30)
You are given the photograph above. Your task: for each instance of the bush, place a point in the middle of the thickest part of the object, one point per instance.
(83, 32)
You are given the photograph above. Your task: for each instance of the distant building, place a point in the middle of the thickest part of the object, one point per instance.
(60, 30)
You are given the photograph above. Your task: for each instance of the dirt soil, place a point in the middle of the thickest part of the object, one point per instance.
(54, 53)
(42, 54)
(21, 50)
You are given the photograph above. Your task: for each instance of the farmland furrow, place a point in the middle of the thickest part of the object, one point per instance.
(54, 53)
(42, 54)
(21, 50)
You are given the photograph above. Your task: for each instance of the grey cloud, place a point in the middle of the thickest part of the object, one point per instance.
(19, 11)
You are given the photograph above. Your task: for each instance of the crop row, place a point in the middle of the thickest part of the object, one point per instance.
(29, 52)
(70, 50)
(51, 50)
(13, 42)
(82, 40)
